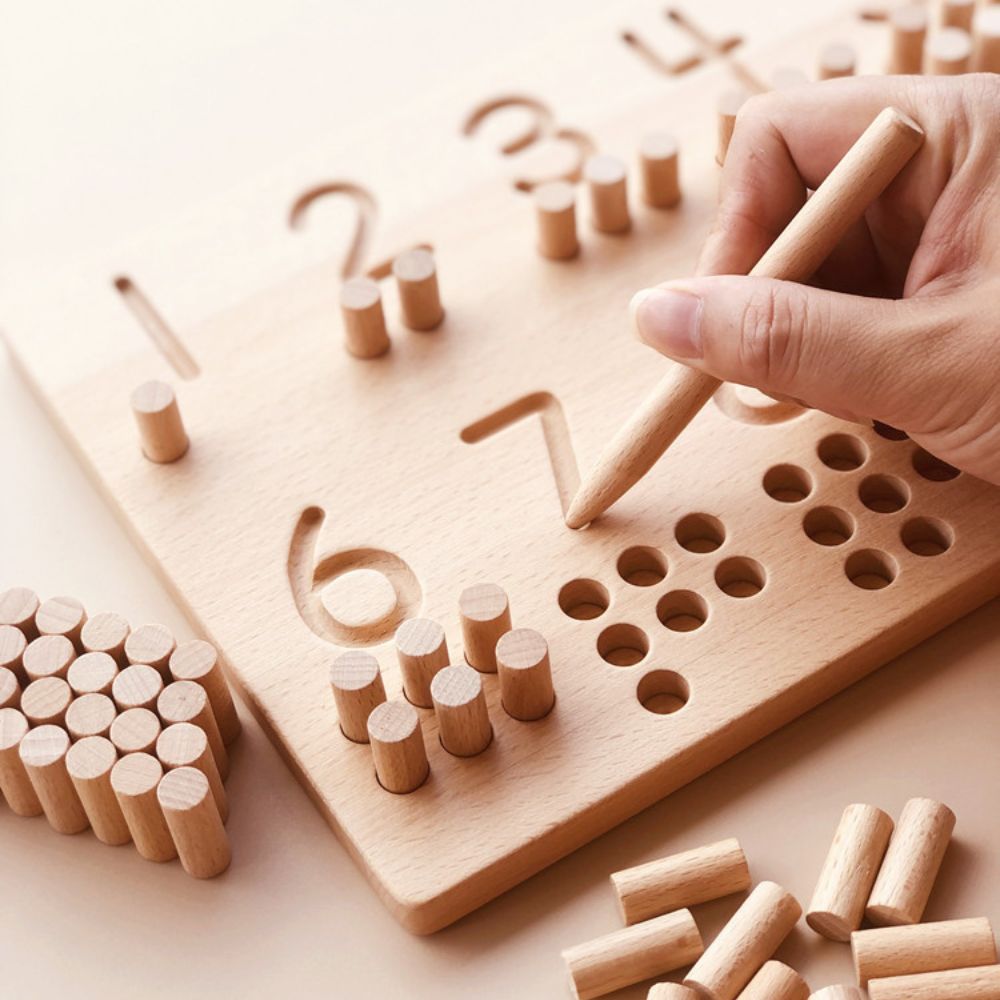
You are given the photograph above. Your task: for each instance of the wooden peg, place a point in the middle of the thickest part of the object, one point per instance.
(909, 33)
(62, 616)
(48, 656)
(751, 937)
(106, 633)
(13, 645)
(422, 649)
(986, 32)
(194, 822)
(606, 181)
(525, 674)
(836, 60)
(136, 731)
(845, 883)
(416, 280)
(911, 864)
(949, 52)
(982, 983)
(839, 992)
(92, 673)
(485, 614)
(198, 661)
(658, 159)
(14, 781)
(398, 747)
(137, 687)
(365, 334)
(185, 745)
(730, 102)
(89, 763)
(555, 215)
(460, 707)
(776, 981)
(670, 991)
(357, 690)
(185, 701)
(10, 689)
(633, 954)
(90, 715)
(18, 607)
(134, 779)
(884, 952)
(685, 879)
(43, 753)
(151, 645)
(158, 418)
(44, 702)
(958, 13)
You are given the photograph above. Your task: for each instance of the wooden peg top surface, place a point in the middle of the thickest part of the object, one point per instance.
(137, 686)
(60, 616)
(12, 646)
(90, 758)
(136, 730)
(193, 660)
(105, 633)
(46, 700)
(90, 715)
(13, 726)
(152, 397)
(181, 744)
(393, 722)
(44, 745)
(419, 637)
(354, 670)
(136, 774)
(18, 607)
(92, 673)
(150, 644)
(48, 656)
(10, 689)
(456, 686)
(181, 701)
(182, 789)
(482, 602)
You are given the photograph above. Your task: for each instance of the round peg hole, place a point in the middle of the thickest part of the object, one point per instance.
(642, 566)
(787, 483)
(927, 536)
(700, 533)
(884, 494)
(682, 610)
(740, 577)
(888, 432)
(927, 465)
(663, 692)
(870, 569)
(843, 452)
(623, 645)
(828, 525)
(584, 599)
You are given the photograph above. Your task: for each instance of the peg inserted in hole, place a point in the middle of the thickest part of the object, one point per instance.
(43, 753)
(460, 707)
(397, 743)
(525, 674)
(89, 763)
(198, 661)
(357, 690)
(485, 614)
(158, 418)
(415, 272)
(607, 183)
(365, 333)
(555, 216)
(193, 819)
(658, 154)
(422, 649)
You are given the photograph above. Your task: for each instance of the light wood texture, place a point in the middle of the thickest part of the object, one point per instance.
(365, 333)
(106, 633)
(15, 784)
(958, 13)
(158, 417)
(185, 745)
(836, 60)
(883, 952)
(911, 863)
(422, 650)
(48, 656)
(61, 616)
(607, 186)
(986, 33)
(958, 984)
(89, 763)
(417, 285)
(555, 219)
(397, 743)
(839, 992)
(751, 937)
(728, 108)
(949, 52)
(356, 682)
(90, 715)
(194, 822)
(776, 981)
(185, 701)
(460, 708)
(848, 874)
(658, 161)
(485, 613)
(525, 674)
(44, 702)
(151, 645)
(12, 647)
(137, 687)
(43, 752)
(198, 661)
(18, 607)
(633, 954)
(92, 673)
(866, 169)
(908, 24)
(670, 991)
(685, 879)
(134, 779)
(136, 730)
(10, 689)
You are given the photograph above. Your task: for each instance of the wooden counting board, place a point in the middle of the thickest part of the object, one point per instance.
(773, 556)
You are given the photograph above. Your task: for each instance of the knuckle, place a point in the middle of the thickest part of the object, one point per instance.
(771, 336)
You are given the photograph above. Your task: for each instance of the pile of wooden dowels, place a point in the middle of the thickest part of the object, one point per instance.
(966, 39)
(117, 729)
(870, 872)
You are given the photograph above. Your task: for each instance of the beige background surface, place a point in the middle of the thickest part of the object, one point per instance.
(115, 116)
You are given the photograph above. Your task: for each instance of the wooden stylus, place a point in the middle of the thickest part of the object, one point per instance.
(861, 176)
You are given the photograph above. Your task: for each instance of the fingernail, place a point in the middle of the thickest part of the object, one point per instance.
(669, 320)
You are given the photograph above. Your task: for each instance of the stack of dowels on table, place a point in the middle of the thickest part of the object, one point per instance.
(116, 729)
(966, 39)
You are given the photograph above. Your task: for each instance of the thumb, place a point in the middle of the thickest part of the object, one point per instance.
(844, 354)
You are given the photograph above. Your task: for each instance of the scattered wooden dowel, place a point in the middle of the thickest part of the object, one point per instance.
(415, 272)
(836, 60)
(911, 863)
(839, 992)
(729, 104)
(680, 880)
(986, 32)
(134, 779)
(12, 648)
(902, 951)
(422, 650)
(909, 33)
(607, 184)
(62, 616)
(525, 674)
(106, 633)
(776, 981)
(750, 938)
(137, 687)
(185, 701)
(357, 690)
(92, 673)
(485, 614)
(158, 417)
(982, 983)
(151, 645)
(44, 702)
(198, 661)
(90, 715)
(185, 745)
(136, 730)
(194, 822)
(48, 656)
(398, 749)
(365, 333)
(631, 955)
(89, 763)
(555, 217)
(43, 753)
(670, 991)
(460, 707)
(958, 13)
(949, 52)
(18, 607)
(845, 882)
(658, 157)
(10, 689)
(14, 781)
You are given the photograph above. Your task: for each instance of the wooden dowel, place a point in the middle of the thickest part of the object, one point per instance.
(194, 822)
(357, 691)
(48, 656)
(198, 661)
(136, 730)
(909, 33)
(958, 13)
(10, 689)
(137, 687)
(986, 34)
(365, 333)
(106, 633)
(151, 645)
(902, 951)
(13, 645)
(44, 702)
(845, 882)
(43, 753)
(949, 52)
(460, 707)
(92, 673)
(398, 750)
(727, 108)
(90, 715)
(18, 607)
(525, 675)
(485, 613)
(416, 281)
(911, 864)
(555, 218)
(14, 781)
(62, 616)
(158, 417)
(89, 763)
(837, 60)
(185, 745)
(670, 991)
(185, 701)
(982, 983)
(860, 177)
(422, 650)
(680, 880)
(658, 157)
(776, 981)
(839, 992)
(134, 779)
(607, 184)
(631, 955)
(751, 937)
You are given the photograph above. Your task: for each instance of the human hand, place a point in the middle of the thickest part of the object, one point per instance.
(897, 325)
